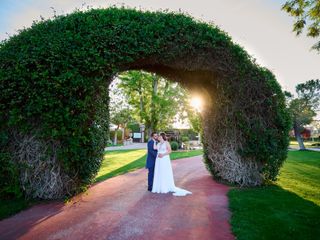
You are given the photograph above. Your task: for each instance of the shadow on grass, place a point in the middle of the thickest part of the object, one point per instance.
(140, 162)
(136, 164)
(9, 207)
(271, 212)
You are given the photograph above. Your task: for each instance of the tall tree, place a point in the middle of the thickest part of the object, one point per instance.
(153, 108)
(195, 121)
(120, 111)
(154, 100)
(307, 15)
(303, 108)
(120, 118)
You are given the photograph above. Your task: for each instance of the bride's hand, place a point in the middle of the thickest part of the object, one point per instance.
(160, 155)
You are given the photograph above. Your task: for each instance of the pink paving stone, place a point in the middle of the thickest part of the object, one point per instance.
(121, 208)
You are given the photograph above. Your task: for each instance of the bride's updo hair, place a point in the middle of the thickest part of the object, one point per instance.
(163, 135)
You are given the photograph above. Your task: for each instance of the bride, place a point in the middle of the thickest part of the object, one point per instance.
(163, 181)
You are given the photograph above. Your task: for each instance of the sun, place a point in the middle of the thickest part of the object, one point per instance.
(196, 103)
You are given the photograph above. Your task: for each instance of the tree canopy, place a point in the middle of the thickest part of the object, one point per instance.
(303, 108)
(155, 100)
(307, 16)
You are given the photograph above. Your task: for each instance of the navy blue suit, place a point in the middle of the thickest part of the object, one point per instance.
(151, 161)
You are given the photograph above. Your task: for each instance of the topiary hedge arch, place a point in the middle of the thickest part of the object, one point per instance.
(54, 96)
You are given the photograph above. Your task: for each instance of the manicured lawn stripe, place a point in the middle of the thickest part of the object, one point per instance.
(289, 209)
(121, 161)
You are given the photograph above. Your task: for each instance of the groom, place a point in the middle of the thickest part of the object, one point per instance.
(151, 159)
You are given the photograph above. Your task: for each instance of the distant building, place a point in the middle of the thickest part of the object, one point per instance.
(306, 133)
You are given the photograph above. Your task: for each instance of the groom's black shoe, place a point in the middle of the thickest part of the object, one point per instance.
(149, 189)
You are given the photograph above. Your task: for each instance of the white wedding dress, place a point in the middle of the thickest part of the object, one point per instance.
(163, 181)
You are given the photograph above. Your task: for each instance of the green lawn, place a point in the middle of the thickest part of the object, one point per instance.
(10, 207)
(289, 209)
(121, 161)
(307, 144)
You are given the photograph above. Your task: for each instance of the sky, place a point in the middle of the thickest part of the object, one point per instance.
(260, 26)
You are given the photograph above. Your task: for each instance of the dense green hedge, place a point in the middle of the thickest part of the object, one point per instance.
(174, 145)
(55, 75)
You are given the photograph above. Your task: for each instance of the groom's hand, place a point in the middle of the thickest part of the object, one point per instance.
(160, 155)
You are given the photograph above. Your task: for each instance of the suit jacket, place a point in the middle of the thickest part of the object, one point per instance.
(152, 155)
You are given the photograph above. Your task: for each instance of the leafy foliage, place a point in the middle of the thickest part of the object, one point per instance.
(309, 92)
(195, 120)
(303, 108)
(174, 145)
(55, 77)
(184, 139)
(302, 113)
(121, 118)
(307, 15)
(154, 99)
(9, 184)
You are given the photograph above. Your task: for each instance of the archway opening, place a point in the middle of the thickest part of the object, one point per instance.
(141, 99)
(143, 102)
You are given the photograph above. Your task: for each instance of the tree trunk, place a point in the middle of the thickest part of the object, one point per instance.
(115, 140)
(298, 136)
(141, 106)
(149, 131)
(153, 117)
(123, 133)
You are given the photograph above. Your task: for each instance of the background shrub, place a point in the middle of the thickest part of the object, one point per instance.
(9, 178)
(185, 139)
(174, 145)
